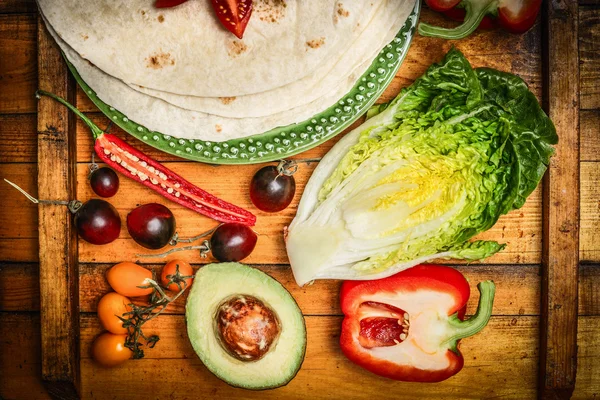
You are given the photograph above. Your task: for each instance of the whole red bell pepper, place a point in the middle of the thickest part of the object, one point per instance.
(407, 326)
(515, 16)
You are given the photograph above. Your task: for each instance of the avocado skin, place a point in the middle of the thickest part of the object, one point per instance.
(214, 283)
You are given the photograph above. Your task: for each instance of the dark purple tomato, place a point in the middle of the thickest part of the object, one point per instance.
(151, 225)
(270, 190)
(232, 242)
(104, 182)
(98, 222)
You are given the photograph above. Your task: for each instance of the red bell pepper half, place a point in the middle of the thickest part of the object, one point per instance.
(407, 326)
(515, 16)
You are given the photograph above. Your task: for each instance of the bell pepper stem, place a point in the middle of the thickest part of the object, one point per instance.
(462, 329)
(96, 131)
(475, 11)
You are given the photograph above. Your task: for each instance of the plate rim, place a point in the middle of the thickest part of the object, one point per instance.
(280, 142)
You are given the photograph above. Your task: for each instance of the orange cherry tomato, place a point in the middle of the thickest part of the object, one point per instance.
(109, 350)
(126, 278)
(169, 270)
(112, 306)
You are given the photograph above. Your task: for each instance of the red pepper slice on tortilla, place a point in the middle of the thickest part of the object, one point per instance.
(136, 165)
(515, 16)
(407, 326)
(233, 14)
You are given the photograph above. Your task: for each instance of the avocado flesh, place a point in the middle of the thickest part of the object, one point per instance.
(217, 282)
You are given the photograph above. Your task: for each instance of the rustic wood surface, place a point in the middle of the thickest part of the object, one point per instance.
(560, 231)
(56, 181)
(501, 361)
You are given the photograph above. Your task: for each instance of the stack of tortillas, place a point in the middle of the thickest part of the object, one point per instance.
(179, 72)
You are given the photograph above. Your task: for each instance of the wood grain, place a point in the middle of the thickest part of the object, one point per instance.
(499, 362)
(20, 362)
(17, 6)
(558, 344)
(18, 64)
(589, 246)
(589, 125)
(588, 359)
(589, 48)
(516, 293)
(19, 140)
(19, 287)
(57, 237)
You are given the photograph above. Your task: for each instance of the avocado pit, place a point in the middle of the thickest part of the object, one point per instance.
(246, 327)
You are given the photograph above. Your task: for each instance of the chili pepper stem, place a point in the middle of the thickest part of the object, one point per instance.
(462, 329)
(475, 11)
(96, 131)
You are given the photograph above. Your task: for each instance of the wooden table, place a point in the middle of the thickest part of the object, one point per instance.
(502, 361)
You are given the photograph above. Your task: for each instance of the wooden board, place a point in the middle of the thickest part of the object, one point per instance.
(558, 355)
(57, 238)
(519, 54)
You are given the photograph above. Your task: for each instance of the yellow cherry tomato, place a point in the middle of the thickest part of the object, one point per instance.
(126, 278)
(169, 270)
(109, 350)
(112, 306)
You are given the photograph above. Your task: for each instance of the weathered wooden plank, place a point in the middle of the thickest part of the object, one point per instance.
(589, 125)
(589, 48)
(589, 246)
(21, 209)
(18, 64)
(588, 359)
(20, 361)
(520, 229)
(516, 294)
(19, 287)
(17, 6)
(560, 254)
(501, 361)
(19, 138)
(589, 290)
(57, 238)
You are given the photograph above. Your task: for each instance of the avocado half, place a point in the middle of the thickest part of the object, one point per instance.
(213, 285)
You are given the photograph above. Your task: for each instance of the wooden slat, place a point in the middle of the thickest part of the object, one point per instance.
(589, 246)
(19, 287)
(558, 345)
(19, 138)
(588, 359)
(516, 293)
(500, 361)
(520, 229)
(20, 362)
(17, 6)
(18, 63)
(589, 124)
(57, 238)
(589, 48)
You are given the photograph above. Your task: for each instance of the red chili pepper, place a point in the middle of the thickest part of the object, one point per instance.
(407, 326)
(515, 16)
(233, 14)
(149, 172)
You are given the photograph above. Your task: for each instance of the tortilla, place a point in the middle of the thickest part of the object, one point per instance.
(184, 50)
(306, 90)
(158, 115)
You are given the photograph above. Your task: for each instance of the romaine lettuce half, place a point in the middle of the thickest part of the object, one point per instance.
(423, 175)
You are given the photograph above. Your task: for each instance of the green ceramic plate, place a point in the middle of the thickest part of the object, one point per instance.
(284, 141)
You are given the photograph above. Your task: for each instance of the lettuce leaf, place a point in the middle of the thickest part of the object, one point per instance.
(422, 176)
